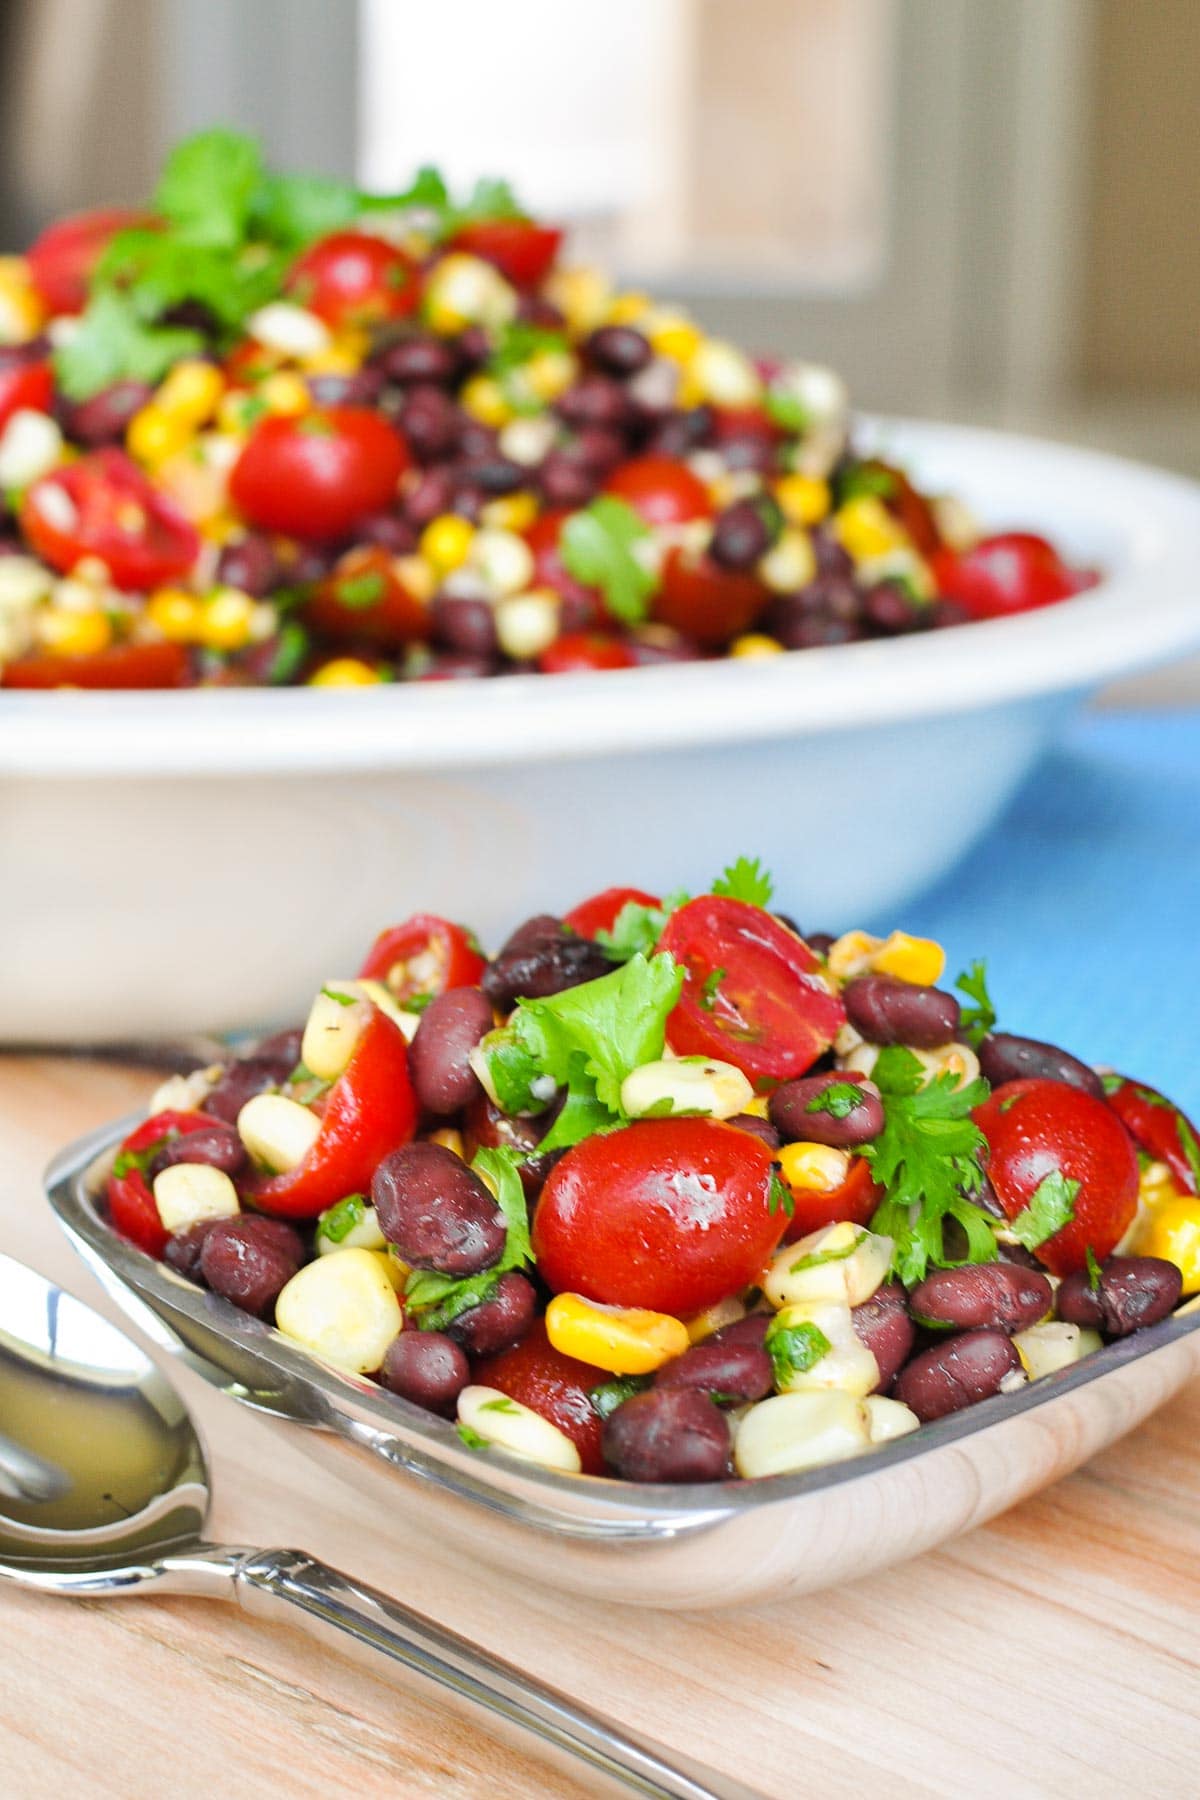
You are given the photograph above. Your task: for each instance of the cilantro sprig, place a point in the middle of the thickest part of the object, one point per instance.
(605, 545)
(745, 879)
(979, 1018)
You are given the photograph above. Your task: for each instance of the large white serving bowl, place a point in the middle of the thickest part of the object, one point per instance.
(199, 860)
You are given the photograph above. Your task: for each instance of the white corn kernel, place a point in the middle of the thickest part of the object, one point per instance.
(185, 1093)
(790, 563)
(686, 1084)
(382, 996)
(504, 1422)
(526, 441)
(31, 444)
(343, 1308)
(186, 1193)
(277, 1131)
(1046, 1348)
(841, 1262)
(357, 1224)
(464, 290)
(846, 1365)
(889, 1419)
(799, 1431)
(291, 330)
(725, 375)
(957, 526)
(527, 624)
(819, 393)
(336, 1021)
(24, 583)
(502, 560)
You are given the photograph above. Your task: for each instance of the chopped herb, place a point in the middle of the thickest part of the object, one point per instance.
(746, 879)
(839, 1099)
(818, 1258)
(517, 342)
(342, 999)
(504, 1405)
(416, 1003)
(1052, 1207)
(600, 545)
(609, 1395)
(794, 1349)
(290, 652)
(136, 1162)
(638, 928)
(1008, 1102)
(472, 1439)
(708, 993)
(857, 481)
(780, 1197)
(979, 1019)
(1191, 1149)
(114, 344)
(360, 591)
(1094, 1270)
(340, 1220)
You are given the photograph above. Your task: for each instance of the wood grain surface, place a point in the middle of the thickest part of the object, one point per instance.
(1054, 1652)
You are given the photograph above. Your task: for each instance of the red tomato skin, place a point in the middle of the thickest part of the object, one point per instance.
(1012, 572)
(660, 490)
(1035, 1128)
(854, 1202)
(600, 912)
(522, 250)
(1158, 1127)
(104, 487)
(61, 260)
(709, 603)
(459, 961)
(131, 1205)
(27, 387)
(554, 1385)
(351, 279)
(370, 1110)
(120, 666)
(672, 1214)
(772, 1013)
(584, 652)
(394, 619)
(314, 477)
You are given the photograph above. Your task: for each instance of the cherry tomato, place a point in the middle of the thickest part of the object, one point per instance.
(351, 280)
(753, 992)
(314, 477)
(364, 597)
(25, 387)
(103, 506)
(370, 1110)
(599, 913)
(1037, 1128)
(120, 666)
(579, 651)
(672, 1214)
(854, 1201)
(61, 260)
(1011, 573)
(709, 603)
(1160, 1129)
(522, 250)
(732, 423)
(424, 955)
(131, 1204)
(556, 1386)
(660, 490)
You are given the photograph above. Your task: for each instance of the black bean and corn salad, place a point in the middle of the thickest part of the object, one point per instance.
(272, 430)
(664, 1190)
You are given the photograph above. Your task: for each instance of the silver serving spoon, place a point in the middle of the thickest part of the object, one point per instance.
(104, 1492)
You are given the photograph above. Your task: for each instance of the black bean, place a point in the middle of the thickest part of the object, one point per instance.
(102, 418)
(437, 1213)
(889, 608)
(219, 1146)
(497, 1323)
(946, 613)
(493, 474)
(676, 433)
(387, 529)
(357, 387)
(752, 1329)
(243, 1079)
(427, 1368)
(731, 1370)
(535, 309)
(596, 447)
(456, 665)
(540, 958)
(595, 400)
(818, 632)
(564, 481)
(250, 564)
(992, 1296)
(476, 440)
(423, 360)
(832, 556)
(741, 534)
(450, 1028)
(961, 1372)
(473, 345)
(535, 1170)
(431, 425)
(792, 1111)
(883, 1325)
(1003, 1057)
(464, 624)
(183, 1250)
(659, 644)
(282, 1049)
(468, 501)
(759, 1128)
(889, 1011)
(749, 450)
(492, 1129)
(820, 941)
(250, 1259)
(1132, 1292)
(667, 1434)
(617, 350)
(428, 498)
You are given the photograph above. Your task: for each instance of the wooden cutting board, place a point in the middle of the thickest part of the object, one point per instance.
(1053, 1652)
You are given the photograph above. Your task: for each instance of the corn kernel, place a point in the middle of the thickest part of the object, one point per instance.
(790, 563)
(500, 1420)
(1173, 1232)
(755, 645)
(288, 330)
(503, 561)
(227, 620)
(485, 400)
(725, 374)
(1156, 1184)
(527, 624)
(336, 1021)
(511, 512)
(842, 1262)
(356, 1225)
(714, 1318)
(343, 1308)
(626, 1340)
(851, 954)
(187, 1193)
(449, 1139)
(1047, 1347)
(345, 671)
(278, 1132)
(446, 542)
(285, 394)
(845, 1364)
(758, 1107)
(673, 335)
(338, 358)
(628, 308)
(797, 1431)
(685, 1085)
(416, 576)
(804, 499)
(75, 633)
(464, 290)
(175, 613)
(153, 435)
(31, 444)
(237, 411)
(865, 528)
(191, 390)
(549, 373)
(915, 959)
(582, 295)
(22, 312)
(813, 1168)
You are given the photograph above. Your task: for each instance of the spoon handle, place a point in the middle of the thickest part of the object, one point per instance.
(511, 1703)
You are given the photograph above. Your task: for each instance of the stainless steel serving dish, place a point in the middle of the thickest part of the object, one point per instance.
(715, 1545)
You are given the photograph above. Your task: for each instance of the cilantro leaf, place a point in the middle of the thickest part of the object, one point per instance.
(114, 344)
(786, 410)
(615, 1023)
(859, 479)
(712, 982)
(638, 928)
(295, 209)
(208, 185)
(581, 1114)
(780, 1196)
(517, 341)
(745, 879)
(1052, 1207)
(609, 1395)
(839, 1099)
(490, 198)
(979, 1019)
(499, 1168)
(794, 1349)
(599, 546)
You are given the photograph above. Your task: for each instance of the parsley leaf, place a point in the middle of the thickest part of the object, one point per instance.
(599, 546)
(609, 1395)
(1052, 1207)
(113, 344)
(359, 591)
(638, 928)
(839, 1099)
(746, 879)
(859, 479)
(794, 1349)
(295, 209)
(708, 993)
(979, 1019)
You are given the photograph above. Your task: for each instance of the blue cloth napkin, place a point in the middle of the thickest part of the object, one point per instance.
(1085, 900)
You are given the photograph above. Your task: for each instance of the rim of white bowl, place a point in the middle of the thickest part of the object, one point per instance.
(1143, 522)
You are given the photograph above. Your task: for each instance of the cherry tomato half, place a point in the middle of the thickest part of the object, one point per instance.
(314, 477)
(660, 490)
(672, 1214)
(61, 260)
(709, 603)
(854, 1201)
(599, 913)
(120, 666)
(424, 955)
(753, 992)
(1011, 573)
(522, 250)
(103, 506)
(352, 280)
(131, 1203)
(1159, 1128)
(556, 1386)
(364, 598)
(577, 652)
(25, 387)
(1037, 1128)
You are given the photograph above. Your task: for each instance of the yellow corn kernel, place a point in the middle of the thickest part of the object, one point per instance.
(22, 312)
(511, 512)
(153, 434)
(175, 613)
(629, 308)
(191, 390)
(549, 373)
(804, 499)
(484, 398)
(865, 528)
(582, 296)
(626, 1340)
(227, 620)
(74, 633)
(449, 1139)
(1173, 1232)
(285, 394)
(674, 335)
(714, 1318)
(813, 1168)
(851, 954)
(338, 358)
(345, 671)
(416, 576)
(463, 290)
(755, 644)
(919, 960)
(1157, 1185)
(220, 527)
(446, 542)
(758, 1108)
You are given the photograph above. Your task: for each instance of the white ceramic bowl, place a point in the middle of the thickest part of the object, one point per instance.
(195, 861)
